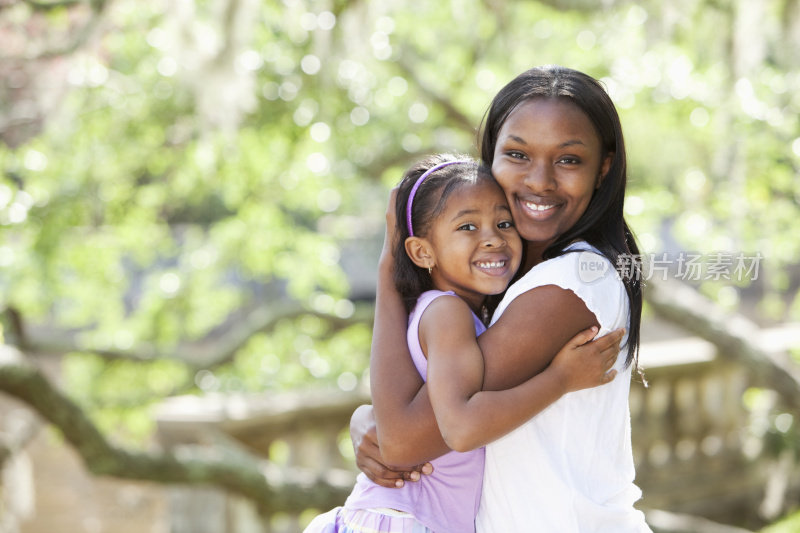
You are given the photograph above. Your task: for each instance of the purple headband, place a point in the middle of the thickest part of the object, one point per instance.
(416, 186)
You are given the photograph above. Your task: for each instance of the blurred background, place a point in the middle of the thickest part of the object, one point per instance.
(191, 209)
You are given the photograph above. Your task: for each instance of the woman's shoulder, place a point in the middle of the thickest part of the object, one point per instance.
(579, 264)
(581, 269)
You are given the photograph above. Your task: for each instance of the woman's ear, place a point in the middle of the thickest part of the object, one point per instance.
(605, 166)
(420, 252)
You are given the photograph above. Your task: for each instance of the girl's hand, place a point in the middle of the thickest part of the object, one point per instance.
(364, 435)
(584, 363)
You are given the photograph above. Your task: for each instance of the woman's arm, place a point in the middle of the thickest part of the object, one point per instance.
(529, 333)
(368, 454)
(470, 417)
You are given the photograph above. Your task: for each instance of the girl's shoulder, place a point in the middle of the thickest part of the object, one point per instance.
(423, 302)
(439, 302)
(426, 298)
(444, 307)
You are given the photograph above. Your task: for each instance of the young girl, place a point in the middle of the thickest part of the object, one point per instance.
(457, 244)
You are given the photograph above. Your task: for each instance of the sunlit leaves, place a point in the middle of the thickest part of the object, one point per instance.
(178, 182)
(295, 353)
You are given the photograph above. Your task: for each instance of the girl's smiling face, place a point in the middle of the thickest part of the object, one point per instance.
(473, 246)
(548, 160)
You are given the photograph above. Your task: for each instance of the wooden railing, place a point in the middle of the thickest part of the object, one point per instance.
(692, 446)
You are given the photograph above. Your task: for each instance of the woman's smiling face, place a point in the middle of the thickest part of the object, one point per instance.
(548, 161)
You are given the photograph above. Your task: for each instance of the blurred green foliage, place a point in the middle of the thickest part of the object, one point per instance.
(788, 524)
(197, 160)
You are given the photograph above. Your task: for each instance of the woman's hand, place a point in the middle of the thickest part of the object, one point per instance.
(390, 235)
(364, 435)
(584, 363)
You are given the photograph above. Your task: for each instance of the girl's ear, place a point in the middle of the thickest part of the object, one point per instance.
(604, 168)
(420, 252)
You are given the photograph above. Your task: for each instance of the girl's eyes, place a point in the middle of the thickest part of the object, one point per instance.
(506, 224)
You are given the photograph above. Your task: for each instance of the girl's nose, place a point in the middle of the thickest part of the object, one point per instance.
(494, 239)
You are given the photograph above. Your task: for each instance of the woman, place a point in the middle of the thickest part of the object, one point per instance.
(553, 140)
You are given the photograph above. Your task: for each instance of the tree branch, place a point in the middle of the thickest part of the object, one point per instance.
(47, 6)
(247, 478)
(16, 326)
(668, 522)
(585, 6)
(732, 334)
(453, 114)
(81, 36)
(216, 349)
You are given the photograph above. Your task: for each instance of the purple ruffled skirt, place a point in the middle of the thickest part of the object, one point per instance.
(343, 520)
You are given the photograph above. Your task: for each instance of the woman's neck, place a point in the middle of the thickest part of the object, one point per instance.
(533, 255)
(477, 305)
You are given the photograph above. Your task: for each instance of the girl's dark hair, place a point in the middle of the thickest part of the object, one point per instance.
(429, 201)
(602, 224)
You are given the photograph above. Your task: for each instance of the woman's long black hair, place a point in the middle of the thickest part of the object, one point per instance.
(602, 224)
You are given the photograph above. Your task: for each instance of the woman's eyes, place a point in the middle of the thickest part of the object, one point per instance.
(568, 160)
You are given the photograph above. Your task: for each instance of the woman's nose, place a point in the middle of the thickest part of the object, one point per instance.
(540, 178)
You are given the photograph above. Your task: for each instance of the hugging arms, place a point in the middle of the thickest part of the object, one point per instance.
(520, 345)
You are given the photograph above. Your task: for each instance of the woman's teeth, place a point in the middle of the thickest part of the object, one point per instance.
(538, 207)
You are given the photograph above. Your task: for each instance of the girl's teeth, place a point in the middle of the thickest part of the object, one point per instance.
(492, 264)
